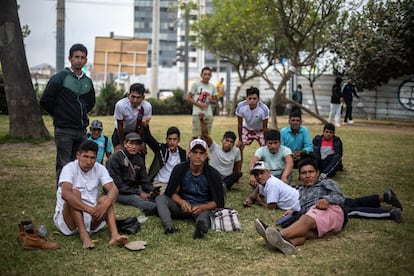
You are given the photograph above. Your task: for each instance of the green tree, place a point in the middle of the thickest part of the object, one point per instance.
(376, 42)
(109, 94)
(255, 35)
(24, 111)
(238, 33)
(306, 26)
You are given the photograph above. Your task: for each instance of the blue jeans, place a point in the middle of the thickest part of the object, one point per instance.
(148, 206)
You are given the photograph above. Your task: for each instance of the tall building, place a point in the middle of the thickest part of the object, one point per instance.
(168, 33)
(172, 35)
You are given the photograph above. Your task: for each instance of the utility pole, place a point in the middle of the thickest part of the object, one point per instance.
(186, 49)
(60, 35)
(155, 46)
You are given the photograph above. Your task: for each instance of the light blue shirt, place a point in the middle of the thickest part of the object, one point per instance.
(276, 161)
(101, 147)
(300, 141)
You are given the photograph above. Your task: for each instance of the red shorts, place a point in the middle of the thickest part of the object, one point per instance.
(248, 136)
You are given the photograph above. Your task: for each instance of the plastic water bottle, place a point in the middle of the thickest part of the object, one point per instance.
(41, 231)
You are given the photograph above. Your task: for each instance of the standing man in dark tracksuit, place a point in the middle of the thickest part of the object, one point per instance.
(69, 97)
(349, 90)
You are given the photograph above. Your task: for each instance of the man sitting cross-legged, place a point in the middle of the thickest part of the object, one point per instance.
(78, 208)
(194, 189)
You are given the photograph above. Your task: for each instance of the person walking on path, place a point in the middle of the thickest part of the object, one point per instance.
(349, 90)
(336, 99)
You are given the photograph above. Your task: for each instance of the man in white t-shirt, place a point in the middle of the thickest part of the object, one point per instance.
(271, 192)
(78, 208)
(131, 114)
(202, 96)
(278, 157)
(226, 159)
(252, 119)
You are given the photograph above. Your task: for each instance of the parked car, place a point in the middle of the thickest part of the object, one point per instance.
(165, 94)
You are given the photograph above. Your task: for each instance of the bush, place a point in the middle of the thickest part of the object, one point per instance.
(170, 106)
(109, 94)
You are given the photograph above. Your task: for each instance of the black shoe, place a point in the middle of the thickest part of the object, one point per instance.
(200, 230)
(391, 198)
(260, 228)
(171, 230)
(396, 215)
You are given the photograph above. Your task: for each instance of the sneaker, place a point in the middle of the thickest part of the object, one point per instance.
(337, 125)
(260, 228)
(396, 215)
(391, 198)
(171, 230)
(350, 122)
(200, 230)
(275, 238)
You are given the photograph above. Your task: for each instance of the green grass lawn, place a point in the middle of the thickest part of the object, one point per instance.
(377, 155)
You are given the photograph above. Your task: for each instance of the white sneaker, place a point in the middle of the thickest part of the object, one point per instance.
(337, 125)
(350, 122)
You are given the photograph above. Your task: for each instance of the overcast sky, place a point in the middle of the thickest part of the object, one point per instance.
(85, 20)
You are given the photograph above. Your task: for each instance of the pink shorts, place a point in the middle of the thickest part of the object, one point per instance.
(329, 220)
(248, 136)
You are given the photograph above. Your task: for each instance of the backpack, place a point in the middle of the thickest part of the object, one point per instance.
(225, 219)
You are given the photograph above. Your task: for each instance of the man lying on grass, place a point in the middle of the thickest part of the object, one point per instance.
(78, 208)
(322, 202)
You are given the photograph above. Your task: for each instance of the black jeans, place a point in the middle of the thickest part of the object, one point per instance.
(231, 179)
(348, 113)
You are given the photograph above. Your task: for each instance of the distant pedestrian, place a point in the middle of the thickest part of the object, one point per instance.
(220, 88)
(69, 97)
(349, 90)
(297, 97)
(336, 99)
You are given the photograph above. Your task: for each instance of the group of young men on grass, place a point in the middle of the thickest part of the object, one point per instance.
(181, 183)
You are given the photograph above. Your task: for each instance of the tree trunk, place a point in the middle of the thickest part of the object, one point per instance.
(233, 103)
(277, 97)
(314, 99)
(24, 110)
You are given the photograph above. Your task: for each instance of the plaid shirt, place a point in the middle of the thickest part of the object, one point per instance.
(327, 188)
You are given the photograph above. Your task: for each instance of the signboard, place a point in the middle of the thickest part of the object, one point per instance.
(126, 55)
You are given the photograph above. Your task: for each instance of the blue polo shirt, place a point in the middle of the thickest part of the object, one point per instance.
(300, 141)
